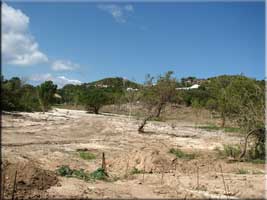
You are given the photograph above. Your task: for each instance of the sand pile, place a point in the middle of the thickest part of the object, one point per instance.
(31, 181)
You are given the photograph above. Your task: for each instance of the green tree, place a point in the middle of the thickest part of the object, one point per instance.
(29, 99)
(70, 94)
(246, 99)
(11, 93)
(155, 97)
(46, 94)
(218, 101)
(94, 99)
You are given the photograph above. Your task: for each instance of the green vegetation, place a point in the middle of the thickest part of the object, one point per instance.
(94, 99)
(180, 154)
(242, 171)
(257, 172)
(212, 127)
(257, 161)
(99, 174)
(232, 129)
(136, 171)
(117, 82)
(18, 96)
(46, 94)
(66, 171)
(234, 151)
(235, 98)
(156, 96)
(87, 155)
(229, 151)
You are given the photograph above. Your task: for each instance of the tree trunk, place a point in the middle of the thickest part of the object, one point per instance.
(245, 145)
(159, 109)
(223, 120)
(96, 110)
(141, 127)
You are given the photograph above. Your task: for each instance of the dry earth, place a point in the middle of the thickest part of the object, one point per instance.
(36, 144)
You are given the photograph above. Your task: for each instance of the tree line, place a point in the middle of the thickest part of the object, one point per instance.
(235, 97)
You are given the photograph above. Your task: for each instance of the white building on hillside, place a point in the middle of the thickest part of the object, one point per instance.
(195, 86)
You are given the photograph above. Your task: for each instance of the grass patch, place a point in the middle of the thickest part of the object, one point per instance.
(157, 119)
(66, 171)
(180, 154)
(242, 171)
(212, 127)
(234, 151)
(136, 171)
(229, 151)
(87, 155)
(232, 129)
(256, 161)
(257, 172)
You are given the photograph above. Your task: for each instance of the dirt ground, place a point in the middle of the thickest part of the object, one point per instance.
(36, 144)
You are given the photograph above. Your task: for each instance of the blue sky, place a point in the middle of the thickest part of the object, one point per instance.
(83, 42)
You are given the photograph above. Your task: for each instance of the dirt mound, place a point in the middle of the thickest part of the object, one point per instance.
(143, 160)
(31, 181)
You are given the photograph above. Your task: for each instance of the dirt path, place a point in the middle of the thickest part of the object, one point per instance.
(51, 139)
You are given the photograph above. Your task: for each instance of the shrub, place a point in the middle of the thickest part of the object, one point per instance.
(229, 151)
(66, 171)
(86, 155)
(242, 171)
(257, 161)
(180, 154)
(99, 174)
(136, 171)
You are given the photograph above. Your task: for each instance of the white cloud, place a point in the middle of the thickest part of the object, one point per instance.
(59, 80)
(118, 12)
(64, 65)
(18, 45)
(62, 80)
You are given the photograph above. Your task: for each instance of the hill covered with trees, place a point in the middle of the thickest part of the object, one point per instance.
(234, 97)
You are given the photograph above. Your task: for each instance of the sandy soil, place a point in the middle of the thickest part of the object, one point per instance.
(50, 140)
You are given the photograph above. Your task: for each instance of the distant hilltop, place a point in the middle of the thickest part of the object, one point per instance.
(116, 82)
(125, 83)
(185, 83)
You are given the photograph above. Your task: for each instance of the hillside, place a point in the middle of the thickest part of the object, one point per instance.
(115, 82)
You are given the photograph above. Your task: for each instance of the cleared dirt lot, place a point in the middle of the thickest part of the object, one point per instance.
(47, 141)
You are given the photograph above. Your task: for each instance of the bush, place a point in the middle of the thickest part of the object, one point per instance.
(180, 154)
(136, 171)
(242, 171)
(86, 155)
(66, 171)
(229, 151)
(99, 174)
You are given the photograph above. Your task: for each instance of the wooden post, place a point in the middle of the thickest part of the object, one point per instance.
(127, 166)
(162, 175)
(224, 184)
(197, 177)
(3, 185)
(144, 170)
(104, 163)
(14, 186)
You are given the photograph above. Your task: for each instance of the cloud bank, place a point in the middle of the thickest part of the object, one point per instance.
(120, 13)
(18, 45)
(64, 65)
(20, 48)
(59, 80)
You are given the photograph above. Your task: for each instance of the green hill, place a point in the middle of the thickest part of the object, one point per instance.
(116, 82)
